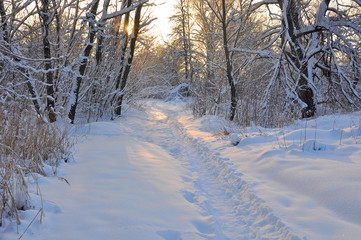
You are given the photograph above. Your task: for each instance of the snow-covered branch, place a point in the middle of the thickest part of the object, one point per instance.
(259, 4)
(261, 53)
(123, 11)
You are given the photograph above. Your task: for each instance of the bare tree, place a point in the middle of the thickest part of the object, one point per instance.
(126, 65)
(12, 52)
(73, 102)
(222, 11)
(100, 37)
(182, 29)
(47, 18)
(119, 86)
(313, 49)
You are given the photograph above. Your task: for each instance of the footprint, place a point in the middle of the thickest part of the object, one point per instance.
(205, 227)
(175, 151)
(51, 207)
(170, 235)
(186, 179)
(189, 196)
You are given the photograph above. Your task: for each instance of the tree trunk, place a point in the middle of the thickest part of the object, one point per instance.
(5, 33)
(100, 39)
(123, 48)
(44, 14)
(128, 63)
(304, 91)
(84, 61)
(58, 20)
(185, 40)
(229, 69)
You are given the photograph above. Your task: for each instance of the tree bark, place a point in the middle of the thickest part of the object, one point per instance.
(5, 33)
(100, 38)
(84, 61)
(128, 63)
(229, 69)
(44, 14)
(185, 40)
(304, 91)
(123, 48)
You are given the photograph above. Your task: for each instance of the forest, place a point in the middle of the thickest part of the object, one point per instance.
(262, 62)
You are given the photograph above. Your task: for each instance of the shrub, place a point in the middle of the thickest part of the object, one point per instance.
(26, 143)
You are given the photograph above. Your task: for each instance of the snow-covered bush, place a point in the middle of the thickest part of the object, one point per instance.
(181, 92)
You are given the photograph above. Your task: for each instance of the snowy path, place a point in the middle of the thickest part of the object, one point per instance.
(235, 211)
(143, 177)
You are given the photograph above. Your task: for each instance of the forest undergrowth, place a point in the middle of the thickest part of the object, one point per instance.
(28, 144)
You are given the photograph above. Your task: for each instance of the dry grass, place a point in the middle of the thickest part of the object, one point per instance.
(26, 144)
(221, 132)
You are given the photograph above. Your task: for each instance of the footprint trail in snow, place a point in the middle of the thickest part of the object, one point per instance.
(142, 177)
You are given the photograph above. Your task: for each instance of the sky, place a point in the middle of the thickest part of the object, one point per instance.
(163, 12)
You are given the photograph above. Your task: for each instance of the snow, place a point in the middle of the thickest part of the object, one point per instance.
(158, 173)
(308, 173)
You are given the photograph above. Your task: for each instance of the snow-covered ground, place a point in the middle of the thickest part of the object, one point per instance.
(158, 173)
(308, 173)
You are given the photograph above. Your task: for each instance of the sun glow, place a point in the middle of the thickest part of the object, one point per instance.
(163, 11)
(129, 30)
